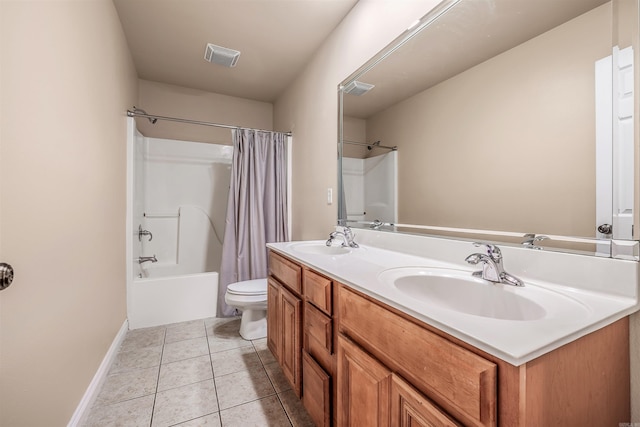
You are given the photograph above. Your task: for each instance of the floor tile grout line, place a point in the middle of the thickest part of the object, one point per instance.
(249, 401)
(213, 374)
(192, 419)
(284, 409)
(128, 399)
(275, 392)
(273, 385)
(155, 395)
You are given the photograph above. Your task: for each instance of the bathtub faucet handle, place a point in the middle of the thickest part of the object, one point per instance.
(142, 232)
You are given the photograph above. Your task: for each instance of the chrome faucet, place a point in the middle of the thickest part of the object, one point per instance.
(375, 225)
(492, 269)
(144, 259)
(142, 232)
(347, 238)
(531, 239)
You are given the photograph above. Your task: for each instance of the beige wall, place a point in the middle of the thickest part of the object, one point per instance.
(509, 144)
(67, 79)
(309, 107)
(174, 101)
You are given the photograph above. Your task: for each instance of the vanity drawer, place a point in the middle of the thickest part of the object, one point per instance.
(286, 271)
(318, 335)
(461, 382)
(318, 290)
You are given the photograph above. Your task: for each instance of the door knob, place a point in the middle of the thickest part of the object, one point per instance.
(605, 229)
(6, 275)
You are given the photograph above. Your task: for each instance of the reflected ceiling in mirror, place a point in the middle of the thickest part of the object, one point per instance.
(495, 109)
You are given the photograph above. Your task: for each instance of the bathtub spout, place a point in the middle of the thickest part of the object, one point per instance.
(143, 259)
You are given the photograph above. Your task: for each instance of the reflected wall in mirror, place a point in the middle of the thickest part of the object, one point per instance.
(507, 115)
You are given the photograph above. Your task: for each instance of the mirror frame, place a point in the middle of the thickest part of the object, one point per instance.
(615, 248)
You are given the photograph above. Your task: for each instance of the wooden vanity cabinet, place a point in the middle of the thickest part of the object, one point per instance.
(438, 380)
(355, 361)
(372, 395)
(300, 333)
(284, 317)
(442, 381)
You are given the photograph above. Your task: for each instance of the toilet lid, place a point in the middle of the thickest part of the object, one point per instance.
(248, 287)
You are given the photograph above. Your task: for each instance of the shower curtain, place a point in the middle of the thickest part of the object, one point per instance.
(256, 209)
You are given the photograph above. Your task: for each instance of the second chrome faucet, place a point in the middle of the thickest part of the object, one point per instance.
(492, 268)
(347, 237)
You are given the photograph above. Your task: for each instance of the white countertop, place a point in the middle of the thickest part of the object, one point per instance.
(588, 308)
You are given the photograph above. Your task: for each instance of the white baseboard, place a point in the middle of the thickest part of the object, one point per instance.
(98, 379)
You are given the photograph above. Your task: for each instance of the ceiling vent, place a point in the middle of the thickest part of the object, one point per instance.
(221, 55)
(358, 88)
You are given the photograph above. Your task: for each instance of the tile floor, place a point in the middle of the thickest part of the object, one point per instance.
(198, 373)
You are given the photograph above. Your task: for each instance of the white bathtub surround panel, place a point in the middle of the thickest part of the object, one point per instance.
(579, 294)
(177, 190)
(370, 187)
(186, 186)
(164, 228)
(197, 235)
(186, 173)
(184, 242)
(353, 183)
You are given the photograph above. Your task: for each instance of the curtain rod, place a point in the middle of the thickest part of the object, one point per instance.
(394, 148)
(139, 113)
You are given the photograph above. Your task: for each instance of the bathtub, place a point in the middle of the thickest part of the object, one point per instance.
(177, 192)
(166, 295)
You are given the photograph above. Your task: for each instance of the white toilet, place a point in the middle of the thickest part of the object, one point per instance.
(250, 297)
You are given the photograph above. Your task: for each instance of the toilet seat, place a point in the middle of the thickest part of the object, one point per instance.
(249, 287)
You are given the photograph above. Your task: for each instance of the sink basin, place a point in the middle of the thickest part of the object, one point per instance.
(321, 249)
(459, 291)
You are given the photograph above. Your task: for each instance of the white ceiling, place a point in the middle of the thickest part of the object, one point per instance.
(276, 38)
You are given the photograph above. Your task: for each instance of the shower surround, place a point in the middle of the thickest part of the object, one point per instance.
(371, 187)
(178, 192)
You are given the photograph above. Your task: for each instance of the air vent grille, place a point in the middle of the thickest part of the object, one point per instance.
(221, 55)
(358, 88)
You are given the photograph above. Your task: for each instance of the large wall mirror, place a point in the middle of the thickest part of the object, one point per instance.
(497, 119)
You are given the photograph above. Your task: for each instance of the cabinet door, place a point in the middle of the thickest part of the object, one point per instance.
(291, 336)
(363, 387)
(410, 408)
(458, 380)
(273, 321)
(316, 391)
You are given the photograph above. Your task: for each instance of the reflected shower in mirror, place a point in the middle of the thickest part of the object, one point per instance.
(497, 110)
(370, 182)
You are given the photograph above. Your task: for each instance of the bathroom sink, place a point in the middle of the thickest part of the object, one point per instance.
(320, 249)
(459, 291)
